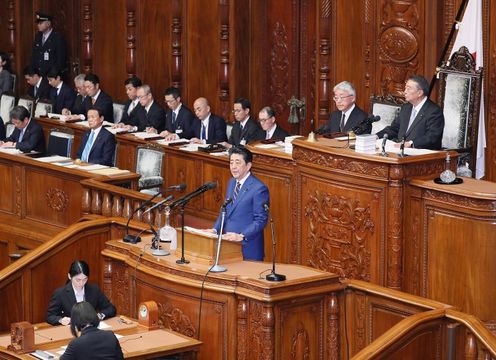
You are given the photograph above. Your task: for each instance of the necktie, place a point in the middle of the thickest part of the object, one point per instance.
(204, 132)
(35, 91)
(130, 108)
(87, 148)
(236, 190)
(21, 135)
(173, 117)
(412, 118)
(267, 135)
(241, 127)
(43, 39)
(93, 101)
(341, 125)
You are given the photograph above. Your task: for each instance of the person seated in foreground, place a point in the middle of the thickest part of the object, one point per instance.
(76, 290)
(27, 135)
(90, 342)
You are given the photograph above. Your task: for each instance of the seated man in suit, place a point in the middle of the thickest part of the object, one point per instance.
(348, 114)
(97, 145)
(61, 95)
(270, 129)
(39, 89)
(97, 98)
(178, 119)
(245, 214)
(420, 121)
(150, 116)
(245, 129)
(207, 128)
(132, 104)
(2, 130)
(27, 135)
(77, 107)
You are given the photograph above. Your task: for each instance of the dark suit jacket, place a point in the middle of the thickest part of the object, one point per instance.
(64, 100)
(94, 344)
(43, 90)
(33, 138)
(426, 131)
(103, 149)
(104, 103)
(154, 118)
(56, 49)
(183, 126)
(130, 119)
(216, 129)
(2, 130)
(246, 215)
(252, 131)
(356, 117)
(63, 299)
(279, 133)
(78, 107)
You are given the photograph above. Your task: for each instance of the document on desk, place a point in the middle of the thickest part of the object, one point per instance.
(145, 135)
(110, 171)
(172, 142)
(193, 147)
(200, 232)
(116, 131)
(10, 150)
(53, 159)
(56, 116)
(393, 147)
(85, 123)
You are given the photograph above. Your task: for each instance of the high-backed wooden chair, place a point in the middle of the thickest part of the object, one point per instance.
(60, 142)
(149, 163)
(42, 109)
(7, 102)
(118, 111)
(387, 107)
(28, 103)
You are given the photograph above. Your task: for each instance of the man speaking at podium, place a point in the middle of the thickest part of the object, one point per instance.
(245, 214)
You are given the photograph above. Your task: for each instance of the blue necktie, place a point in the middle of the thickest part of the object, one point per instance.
(21, 135)
(204, 132)
(236, 190)
(173, 117)
(87, 148)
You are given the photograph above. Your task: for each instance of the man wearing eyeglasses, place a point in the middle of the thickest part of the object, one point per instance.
(245, 129)
(270, 129)
(348, 114)
(420, 122)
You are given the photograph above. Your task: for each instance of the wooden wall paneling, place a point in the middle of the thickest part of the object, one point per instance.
(324, 61)
(109, 45)
(489, 28)
(21, 29)
(224, 58)
(177, 47)
(131, 38)
(87, 38)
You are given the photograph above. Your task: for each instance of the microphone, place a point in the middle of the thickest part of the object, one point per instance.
(227, 202)
(384, 140)
(168, 198)
(133, 239)
(366, 125)
(178, 187)
(186, 198)
(273, 276)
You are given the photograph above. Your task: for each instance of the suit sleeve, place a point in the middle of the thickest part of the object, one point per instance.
(108, 150)
(434, 127)
(104, 305)
(260, 197)
(392, 130)
(2, 130)
(220, 131)
(35, 136)
(80, 150)
(55, 308)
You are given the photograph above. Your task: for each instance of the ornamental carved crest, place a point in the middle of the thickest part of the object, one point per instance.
(57, 199)
(339, 228)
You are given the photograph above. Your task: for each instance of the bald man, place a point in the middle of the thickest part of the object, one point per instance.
(207, 128)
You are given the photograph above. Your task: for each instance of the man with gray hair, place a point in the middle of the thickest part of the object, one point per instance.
(348, 114)
(270, 129)
(77, 107)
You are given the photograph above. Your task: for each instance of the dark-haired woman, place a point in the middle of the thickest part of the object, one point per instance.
(5, 78)
(76, 290)
(90, 342)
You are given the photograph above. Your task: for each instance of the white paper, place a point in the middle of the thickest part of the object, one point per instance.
(54, 158)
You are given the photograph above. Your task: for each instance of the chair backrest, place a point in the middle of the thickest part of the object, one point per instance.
(118, 111)
(9, 129)
(42, 109)
(60, 142)
(7, 103)
(387, 107)
(14, 81)
(149, 160)
(27, 103)
(459, 96)
(229, 127)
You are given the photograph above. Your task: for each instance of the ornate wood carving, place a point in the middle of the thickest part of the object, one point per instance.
(415, 238)
(398, 44)
(131, 38)
(18, 190)
(86, 201)
(96, 202)
(117, 206)
(11, 26)
(360, 318)
(242, 329)
(107, 204)
(300, 348)
(394, 235)
(121, 286)
(176, 28)
(460, 201)
(279, 67)
(491, 122)
(87, 25)
(338, 223)
(175, 319)
(262, 326)
(333, 326)
(224, 58)
(57, 199)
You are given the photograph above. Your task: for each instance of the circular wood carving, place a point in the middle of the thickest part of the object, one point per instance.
(398, 44)
(57, 199)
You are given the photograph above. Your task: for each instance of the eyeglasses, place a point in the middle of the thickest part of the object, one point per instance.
(337, 98)
(263, 120)
(235, 111)
(170, 101)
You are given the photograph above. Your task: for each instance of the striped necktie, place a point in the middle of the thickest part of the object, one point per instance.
(236, 190)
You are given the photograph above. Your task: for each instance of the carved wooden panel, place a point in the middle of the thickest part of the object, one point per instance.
(7, 185)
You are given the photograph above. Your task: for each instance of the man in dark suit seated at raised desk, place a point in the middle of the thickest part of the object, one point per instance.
(420, 122)
(97, 145)
(39, 89)
(61, 94)
(178, 119)
(208, 128)
(270, 129)
(245, 128)
(27, 135)
(132, 105)
(77, 107)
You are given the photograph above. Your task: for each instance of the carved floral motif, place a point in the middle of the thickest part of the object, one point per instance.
(339, 228)
(175, 319)
(279, 67)
(300, 347)
(57, 199)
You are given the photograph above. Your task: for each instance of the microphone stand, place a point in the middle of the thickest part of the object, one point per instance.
(402, 148)
(273, 276)
(384, 140)
(133, 239)
(156, 247)
(216, 267)
(182, 260)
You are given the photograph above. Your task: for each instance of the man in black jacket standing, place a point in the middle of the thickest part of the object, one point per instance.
(49, 49)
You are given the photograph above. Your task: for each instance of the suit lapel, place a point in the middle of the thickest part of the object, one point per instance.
(244, 189)
(418, 118)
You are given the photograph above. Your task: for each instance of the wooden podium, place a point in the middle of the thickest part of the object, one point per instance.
(201, 248)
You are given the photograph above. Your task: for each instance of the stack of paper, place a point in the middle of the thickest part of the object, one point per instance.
(288, 143)
(365, 143)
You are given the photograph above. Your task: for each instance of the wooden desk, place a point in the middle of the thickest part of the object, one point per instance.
(136, 342)
(249, 317)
